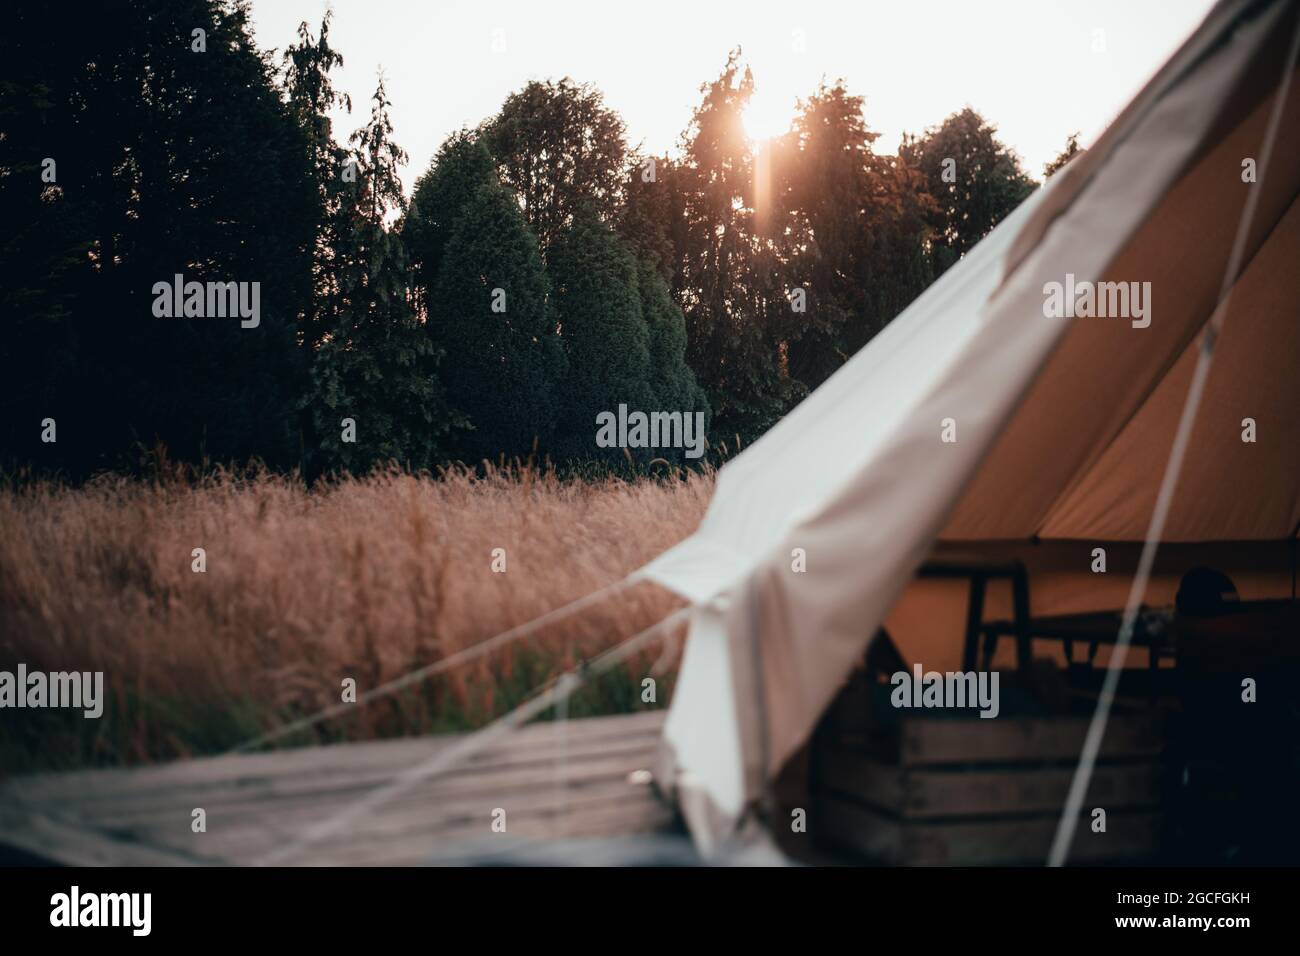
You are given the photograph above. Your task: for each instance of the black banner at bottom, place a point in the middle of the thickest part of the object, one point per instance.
(334, 906)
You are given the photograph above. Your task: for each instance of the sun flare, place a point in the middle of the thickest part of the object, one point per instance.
(766, 117)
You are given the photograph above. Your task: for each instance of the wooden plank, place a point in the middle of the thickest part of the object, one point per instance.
(331, 760)
(885, 839)
(927, 793)
(938, 741)
(523, 764)
(448, 794)
(251, 831)
(651, 849)
(1128, 836)
(397, 849)
(546, 823)
(861, 777)
(390, 837)
(55, 841)
(129, 782)
(930, 794)
(256, 801)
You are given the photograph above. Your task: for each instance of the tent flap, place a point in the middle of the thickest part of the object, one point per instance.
(1062, 424)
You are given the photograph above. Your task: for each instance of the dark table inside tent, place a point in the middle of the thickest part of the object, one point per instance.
(1092, 629)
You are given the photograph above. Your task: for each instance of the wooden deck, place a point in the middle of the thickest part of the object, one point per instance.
(258, 802)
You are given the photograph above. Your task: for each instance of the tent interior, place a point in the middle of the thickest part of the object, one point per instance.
(1063, 435)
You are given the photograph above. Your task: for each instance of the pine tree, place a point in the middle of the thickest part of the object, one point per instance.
(490, 314)
(652, 218)
(377, 365)
(605, 335)
(311, 95)
(169, 160)
(461, 167)
(672, 383)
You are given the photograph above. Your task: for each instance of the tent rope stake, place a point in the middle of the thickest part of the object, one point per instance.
(1097, 727)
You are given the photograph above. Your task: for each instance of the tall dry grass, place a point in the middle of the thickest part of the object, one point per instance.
(364, 578)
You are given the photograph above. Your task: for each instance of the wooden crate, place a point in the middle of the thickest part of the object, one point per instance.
(970, 791)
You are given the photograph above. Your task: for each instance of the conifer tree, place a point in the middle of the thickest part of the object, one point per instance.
(461, 167)
(489, 313)
(605, 334)
(672, 383)
(311, 95)
(174, 153)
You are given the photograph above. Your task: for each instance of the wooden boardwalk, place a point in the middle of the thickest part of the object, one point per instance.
(256, 803)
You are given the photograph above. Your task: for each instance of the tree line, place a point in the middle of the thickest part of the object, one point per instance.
(543, 271)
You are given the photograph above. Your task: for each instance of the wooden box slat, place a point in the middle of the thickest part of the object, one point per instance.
(923, 794)
(940, 791)
(1024, 739)
(886, 839)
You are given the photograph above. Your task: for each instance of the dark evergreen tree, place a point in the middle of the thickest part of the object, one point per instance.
(652, 217)
(490, 314)
(606, 338)
(672, 383)
(461, 167)
(653, 223)
(173, 154)
(311, 95)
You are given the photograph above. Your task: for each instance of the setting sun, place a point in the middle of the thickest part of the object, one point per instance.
(767, 117)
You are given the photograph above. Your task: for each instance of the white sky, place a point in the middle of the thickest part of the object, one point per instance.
(1027, 65)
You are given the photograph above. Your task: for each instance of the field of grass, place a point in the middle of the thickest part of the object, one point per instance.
(363, 578)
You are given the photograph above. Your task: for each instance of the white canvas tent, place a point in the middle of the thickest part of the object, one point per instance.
(1063, 425)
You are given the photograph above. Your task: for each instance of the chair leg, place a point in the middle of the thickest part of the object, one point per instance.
(1020, 597)
(990, 648)
(974, 619)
